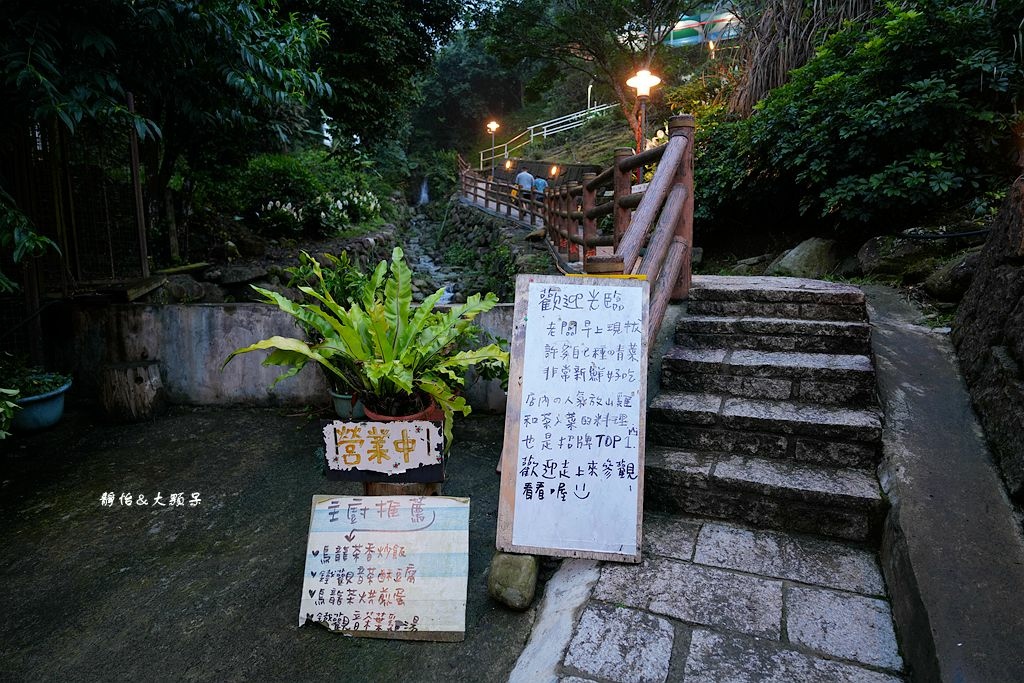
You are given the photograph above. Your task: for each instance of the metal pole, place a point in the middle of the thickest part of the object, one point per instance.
(643, 125)
(492, 153)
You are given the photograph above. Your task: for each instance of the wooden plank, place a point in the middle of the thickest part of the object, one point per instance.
(594, 451)
(604, 264)
(187, 268)
(417, 548)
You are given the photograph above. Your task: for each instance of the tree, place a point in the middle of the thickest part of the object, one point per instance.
(608, 40)
(781, 35)
(892, 120)
(198, 70)
(374, 54)
(464, 87)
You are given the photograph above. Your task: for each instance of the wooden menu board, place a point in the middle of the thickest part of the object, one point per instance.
(573, 457)
(387, 566)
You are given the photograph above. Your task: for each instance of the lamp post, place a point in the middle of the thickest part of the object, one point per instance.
(643, 81)
(492, 126)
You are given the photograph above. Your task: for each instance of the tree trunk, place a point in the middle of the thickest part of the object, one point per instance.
(132, 391)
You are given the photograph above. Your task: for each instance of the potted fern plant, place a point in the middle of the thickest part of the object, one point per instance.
(401, 360)
(344, 282)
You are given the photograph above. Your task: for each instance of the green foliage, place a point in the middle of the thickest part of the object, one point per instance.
(307, 193)
(339, 277)
(442, 171)
(382, 348)
(17, 234)
(891, 120)
(27, 380)
(704, 93)
(464, 88)
(374, 55)
(8, 404)
(206, 64)
(608, 40)
(208, 77)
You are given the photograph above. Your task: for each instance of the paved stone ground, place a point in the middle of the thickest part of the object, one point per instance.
(209, 593)
(717, 602)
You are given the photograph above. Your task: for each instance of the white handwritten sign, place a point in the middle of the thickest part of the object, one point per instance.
(384, 447)
(572, 464)
(388, 566)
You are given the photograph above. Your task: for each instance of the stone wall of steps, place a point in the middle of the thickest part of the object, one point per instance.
(767, 413)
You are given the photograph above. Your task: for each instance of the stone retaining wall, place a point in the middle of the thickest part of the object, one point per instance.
(191, 342)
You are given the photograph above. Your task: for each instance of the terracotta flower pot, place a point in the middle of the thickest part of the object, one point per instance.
(432, 413)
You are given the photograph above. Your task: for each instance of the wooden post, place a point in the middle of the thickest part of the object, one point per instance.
(563, 207)
(684, 126)
(572, 249)
(556, 220)
(546, 216)
(622, 187)
(589, 224)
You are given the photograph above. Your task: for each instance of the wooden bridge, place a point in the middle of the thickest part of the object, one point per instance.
(650, 231)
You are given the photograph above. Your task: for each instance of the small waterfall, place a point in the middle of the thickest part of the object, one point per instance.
(424, 195)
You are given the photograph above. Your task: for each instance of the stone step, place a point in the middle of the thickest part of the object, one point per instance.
(791, 290)
(773, 334)
(830, 379)
(773, 309)
(840, 503)
(782, 430)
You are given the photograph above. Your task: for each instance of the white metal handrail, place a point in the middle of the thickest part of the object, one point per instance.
(543, 129)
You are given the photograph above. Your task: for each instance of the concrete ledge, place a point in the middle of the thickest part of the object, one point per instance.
(191, 342)
(952, 554)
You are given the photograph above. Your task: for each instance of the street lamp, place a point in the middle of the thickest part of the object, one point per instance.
(492, 126)
(643, 81)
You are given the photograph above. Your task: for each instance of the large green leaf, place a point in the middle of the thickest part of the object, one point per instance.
(379, 333)
(285, 344)
(406, 343)
(376, 281)
(397, 297)
(448, 401)
(439, 336)
(314, 319)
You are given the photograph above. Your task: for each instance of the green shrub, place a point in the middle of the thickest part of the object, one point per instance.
(310, 193)
(892, 120)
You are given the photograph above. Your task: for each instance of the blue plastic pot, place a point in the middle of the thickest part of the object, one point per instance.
(39, 411)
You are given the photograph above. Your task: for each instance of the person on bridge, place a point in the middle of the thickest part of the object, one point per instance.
(525, 182)
(540, 184)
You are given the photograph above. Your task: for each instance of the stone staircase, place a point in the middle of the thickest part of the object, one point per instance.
(767, 413)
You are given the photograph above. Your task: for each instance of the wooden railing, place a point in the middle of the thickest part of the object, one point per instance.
(652, 228)
(502, 197)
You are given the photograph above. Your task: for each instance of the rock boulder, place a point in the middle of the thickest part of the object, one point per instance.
(952, 279)
(912, 259)
(512, 580)
(811, 258)
(989, 336)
